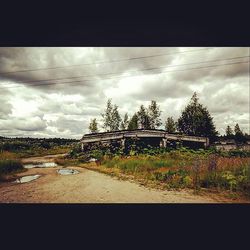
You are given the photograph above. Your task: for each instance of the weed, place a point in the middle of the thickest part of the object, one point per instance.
(9, 166)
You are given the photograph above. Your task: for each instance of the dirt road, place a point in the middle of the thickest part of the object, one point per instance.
(88, 187)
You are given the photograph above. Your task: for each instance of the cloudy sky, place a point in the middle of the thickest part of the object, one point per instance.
(54, 92)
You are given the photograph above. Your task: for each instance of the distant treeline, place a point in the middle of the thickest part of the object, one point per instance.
(27, 143)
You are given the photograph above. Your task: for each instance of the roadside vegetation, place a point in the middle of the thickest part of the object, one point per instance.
(8, 167)
(174, 168)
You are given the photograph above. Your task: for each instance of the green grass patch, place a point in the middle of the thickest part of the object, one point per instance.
(138, 163)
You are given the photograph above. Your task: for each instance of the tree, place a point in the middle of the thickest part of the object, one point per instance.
(237, 129)
(133, 123)
(196, 120)
(125, 122)
(143, 118)
(107, 116)
(229, 132)
(93, 126)
(111, 117)
(115, 119)
(154, 114)
(239, 136)
(170, 125)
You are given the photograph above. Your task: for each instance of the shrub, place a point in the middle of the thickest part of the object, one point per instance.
(8, 166)
(187, 181)
(97, 154)
(239, 153)
(229, 180)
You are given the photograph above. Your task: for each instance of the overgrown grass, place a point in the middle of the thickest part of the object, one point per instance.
(187, 169)
(176, 168)
(10, 167)
(137, 163)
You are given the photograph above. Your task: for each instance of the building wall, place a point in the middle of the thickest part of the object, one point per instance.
(233, 146)
(226, 147)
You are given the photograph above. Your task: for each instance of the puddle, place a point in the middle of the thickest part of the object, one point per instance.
(27, 178)
(41, 165)
(67, 171)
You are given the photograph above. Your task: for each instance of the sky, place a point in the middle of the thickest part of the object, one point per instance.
(56, 91)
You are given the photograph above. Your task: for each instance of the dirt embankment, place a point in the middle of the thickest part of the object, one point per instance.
(90, 187)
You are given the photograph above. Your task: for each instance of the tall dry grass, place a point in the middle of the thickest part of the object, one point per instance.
(181, 170)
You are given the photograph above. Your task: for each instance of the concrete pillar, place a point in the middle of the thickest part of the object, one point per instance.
(206, 144)
(163, 143)
(82, 146)
(123, 142)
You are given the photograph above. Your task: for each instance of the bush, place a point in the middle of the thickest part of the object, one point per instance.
(174, 178)
(8, 166)
(75, 150)
(239, 153)
(97, 154)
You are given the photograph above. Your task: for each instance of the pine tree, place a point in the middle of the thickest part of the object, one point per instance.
(133, 123)
(196, 120)
(125, 122)
(154, 114)
(170, 125)
(93, 126)
(229, 132)
(237, 129)
(239, 136)
(143, 118)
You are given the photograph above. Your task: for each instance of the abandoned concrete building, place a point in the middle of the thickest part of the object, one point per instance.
(230, 144)
(154, 138)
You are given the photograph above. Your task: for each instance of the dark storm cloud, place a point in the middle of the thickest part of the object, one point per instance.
(199, 72)
(32, 58)
(136, 65)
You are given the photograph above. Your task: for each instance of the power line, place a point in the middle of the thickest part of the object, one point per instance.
(164, 72)
(102, 62)
(153, 68)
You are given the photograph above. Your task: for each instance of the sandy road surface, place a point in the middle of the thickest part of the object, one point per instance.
(88, 187)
